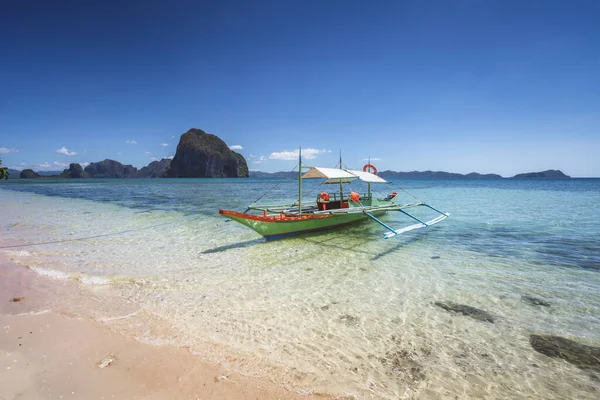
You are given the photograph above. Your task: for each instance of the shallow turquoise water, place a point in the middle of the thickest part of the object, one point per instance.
(344, 311)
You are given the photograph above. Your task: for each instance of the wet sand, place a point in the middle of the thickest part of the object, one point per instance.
(46, 355)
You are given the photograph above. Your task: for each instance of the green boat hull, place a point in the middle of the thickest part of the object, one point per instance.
(273, 228)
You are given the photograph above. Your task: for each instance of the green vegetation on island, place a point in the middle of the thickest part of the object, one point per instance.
(203, 155)
(4, 173)
(199, 155)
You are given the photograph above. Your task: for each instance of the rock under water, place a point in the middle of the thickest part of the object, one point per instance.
(558, 347)
(535, 301)
(466, 310)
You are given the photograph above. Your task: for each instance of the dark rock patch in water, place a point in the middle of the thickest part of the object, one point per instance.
(535, 301)
(558, 347)
(435, 257)
(466, 310)
(349, 320)
(402, 363)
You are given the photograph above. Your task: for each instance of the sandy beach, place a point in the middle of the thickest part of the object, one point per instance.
(46, 355)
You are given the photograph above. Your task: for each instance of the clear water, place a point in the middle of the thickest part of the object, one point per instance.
(343, 312)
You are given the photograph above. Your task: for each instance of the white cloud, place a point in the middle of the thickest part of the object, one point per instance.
(236, 147)
(147, 153)
(293, 155)
(45, 165)
(372, 159)
(4, 150)
(153, 158)
(164, 144)
(84, 164)
(59, 164)
(130, 142)
(261, 160)
(65, 151)
(171, 157)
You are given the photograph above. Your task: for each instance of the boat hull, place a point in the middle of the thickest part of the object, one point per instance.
(280, 226)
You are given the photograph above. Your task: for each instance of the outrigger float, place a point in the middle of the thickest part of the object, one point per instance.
(330, 211)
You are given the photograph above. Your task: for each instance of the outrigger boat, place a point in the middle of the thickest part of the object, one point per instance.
(329, 211)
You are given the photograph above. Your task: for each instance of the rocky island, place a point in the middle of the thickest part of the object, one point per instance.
(74, 171)
(156, 169)
(203, 155)
(111, 169)
(199, 155)
(28, 174)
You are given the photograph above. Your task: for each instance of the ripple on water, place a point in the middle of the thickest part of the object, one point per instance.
(337, 312)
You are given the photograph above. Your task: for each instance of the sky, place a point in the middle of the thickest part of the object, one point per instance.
(461, 86)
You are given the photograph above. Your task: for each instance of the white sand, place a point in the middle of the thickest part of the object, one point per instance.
(44, 355)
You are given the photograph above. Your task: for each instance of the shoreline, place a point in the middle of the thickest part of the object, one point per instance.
(48, 354)
(335, 314)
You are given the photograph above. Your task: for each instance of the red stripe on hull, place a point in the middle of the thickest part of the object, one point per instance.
(272, 218)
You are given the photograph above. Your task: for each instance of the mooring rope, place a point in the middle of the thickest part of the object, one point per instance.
(274, 186)
(394, 186)
(96, 236)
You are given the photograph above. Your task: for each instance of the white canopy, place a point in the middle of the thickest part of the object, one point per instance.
(367, 176)
(335, 175)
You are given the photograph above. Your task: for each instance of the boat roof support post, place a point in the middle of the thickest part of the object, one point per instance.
(369, 183)
(300, 180)
(341, 187)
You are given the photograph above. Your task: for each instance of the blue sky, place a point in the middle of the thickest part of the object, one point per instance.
(461, 86)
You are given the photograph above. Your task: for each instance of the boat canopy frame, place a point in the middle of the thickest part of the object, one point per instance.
(339, 176)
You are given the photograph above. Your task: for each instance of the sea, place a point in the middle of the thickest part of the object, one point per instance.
(343, 312)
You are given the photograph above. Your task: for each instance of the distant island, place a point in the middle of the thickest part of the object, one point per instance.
(204, 155)
(159, 169)
(435, 175)
(549, 174)
(199, 155)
